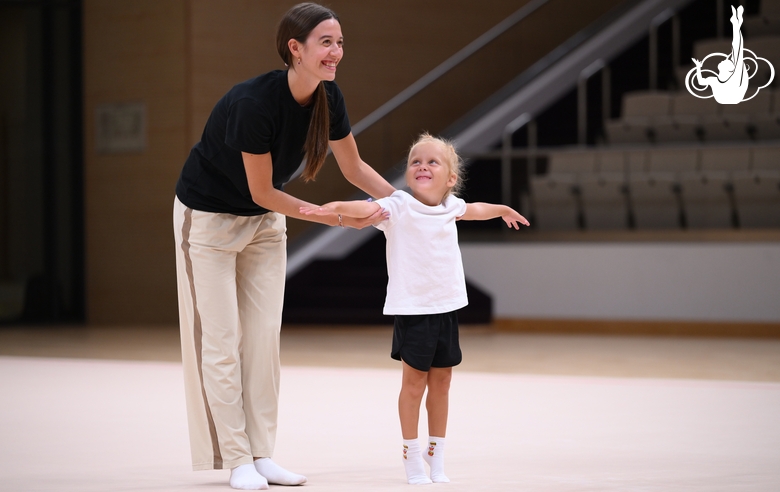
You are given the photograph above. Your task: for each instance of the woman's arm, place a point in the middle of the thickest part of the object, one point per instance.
(486, 211)
(259, 174)
(358, 172)
(359, 209)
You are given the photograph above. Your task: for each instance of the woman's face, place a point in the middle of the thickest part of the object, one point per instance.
(322, 51)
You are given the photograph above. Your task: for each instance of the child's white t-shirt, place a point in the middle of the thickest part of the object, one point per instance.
(424, 265)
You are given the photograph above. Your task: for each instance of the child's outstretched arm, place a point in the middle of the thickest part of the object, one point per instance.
(486, 211)
(359, 209)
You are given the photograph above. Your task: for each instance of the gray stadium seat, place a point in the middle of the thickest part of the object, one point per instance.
(555, 205)
(685, 122)
(766, 125)
(574, 162)
(628, 130)
(757, 191)
(740, 122)
(766, 47)
(604, 198)
(554, 194)
(707, 194)
(640, 109)
(654, 194)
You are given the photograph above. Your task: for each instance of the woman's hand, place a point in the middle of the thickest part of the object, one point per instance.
(356, 213)
(379, 216)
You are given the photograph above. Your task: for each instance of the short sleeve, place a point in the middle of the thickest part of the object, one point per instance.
(457, 205)
(339, 120)
(249, 127)
(392, 204)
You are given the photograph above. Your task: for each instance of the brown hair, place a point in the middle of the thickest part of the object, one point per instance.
(297, 24)
(454, 161)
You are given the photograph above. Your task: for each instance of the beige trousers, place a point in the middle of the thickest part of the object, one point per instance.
(230, 276)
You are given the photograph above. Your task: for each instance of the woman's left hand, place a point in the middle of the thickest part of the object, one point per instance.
(379, 216)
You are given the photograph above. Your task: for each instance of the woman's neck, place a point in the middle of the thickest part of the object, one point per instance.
(302, 88)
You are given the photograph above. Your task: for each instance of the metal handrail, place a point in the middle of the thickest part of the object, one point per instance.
(447, 65)
(556, 67)
(439, 71)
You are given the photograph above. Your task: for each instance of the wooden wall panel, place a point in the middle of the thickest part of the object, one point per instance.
(133, 52)
(179, 57)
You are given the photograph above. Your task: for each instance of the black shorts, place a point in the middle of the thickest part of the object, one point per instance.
(427, 340)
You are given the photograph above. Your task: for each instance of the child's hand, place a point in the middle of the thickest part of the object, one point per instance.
(514, 219)
(323, 210)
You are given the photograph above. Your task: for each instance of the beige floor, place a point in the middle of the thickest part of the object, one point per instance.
(101, 409)
(485, 349)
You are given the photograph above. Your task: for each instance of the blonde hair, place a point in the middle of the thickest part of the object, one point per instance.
(453, 160)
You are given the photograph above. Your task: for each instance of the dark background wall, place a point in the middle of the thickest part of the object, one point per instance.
(90, 227)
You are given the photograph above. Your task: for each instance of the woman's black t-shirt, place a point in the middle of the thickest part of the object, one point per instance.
(256, 117)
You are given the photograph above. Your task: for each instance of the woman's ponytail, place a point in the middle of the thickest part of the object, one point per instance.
(296, 24)
(316, 145)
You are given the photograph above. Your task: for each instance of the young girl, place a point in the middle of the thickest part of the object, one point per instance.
(426, 287)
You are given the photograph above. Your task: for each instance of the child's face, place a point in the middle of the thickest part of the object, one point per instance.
(428, 173)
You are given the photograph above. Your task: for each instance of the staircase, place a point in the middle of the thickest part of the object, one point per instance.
(337, 276)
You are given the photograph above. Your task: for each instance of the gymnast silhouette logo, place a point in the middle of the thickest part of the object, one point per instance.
(730, 84)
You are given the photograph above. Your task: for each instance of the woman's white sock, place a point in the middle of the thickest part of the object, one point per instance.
(275, 474)
(245, 477)
(434, 455)
(413, 463)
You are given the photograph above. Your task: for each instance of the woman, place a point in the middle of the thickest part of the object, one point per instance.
(229, 225)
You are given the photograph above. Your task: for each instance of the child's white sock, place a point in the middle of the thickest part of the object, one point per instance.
(413, 463)
(434, 455)
(275, 474)
(245, 477)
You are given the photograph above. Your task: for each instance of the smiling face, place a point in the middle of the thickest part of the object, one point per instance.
(322, 51)
(428, 172)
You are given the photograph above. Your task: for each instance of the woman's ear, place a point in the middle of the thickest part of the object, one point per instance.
(295, 48)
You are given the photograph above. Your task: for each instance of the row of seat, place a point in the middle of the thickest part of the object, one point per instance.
(658, 117)
(673, 187)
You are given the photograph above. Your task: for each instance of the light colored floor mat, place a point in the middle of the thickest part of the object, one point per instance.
(98, 425)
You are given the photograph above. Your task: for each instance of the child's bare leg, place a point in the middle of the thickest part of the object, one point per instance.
(412, 389)
(437, 404)
(438, 400)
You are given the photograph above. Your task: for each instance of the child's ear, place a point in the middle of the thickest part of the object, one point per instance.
(453, 179)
